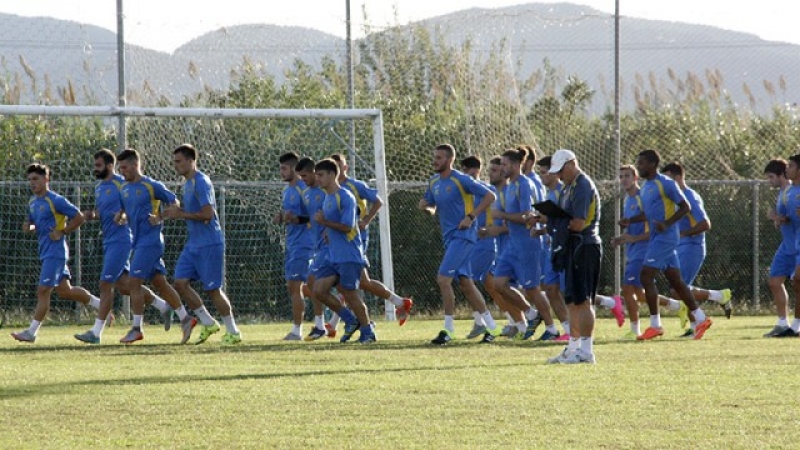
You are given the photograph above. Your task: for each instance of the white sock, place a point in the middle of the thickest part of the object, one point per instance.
(796, 325)
(699, 315)
(714, 296)
(635, 328)
(531, 314)
(34, 328)
(396, 299)
(605, 301)
(552, 329)
(97, 329)
(297, 329)
(334, 322)
(449, 325)
(673, 305)
(137, 321)
(574, 344)
(782, 322)
(586, 345)
(565, 324)
(94, 302)
(488, 320)
(230, 324)
(655, 321)
(160, 304)
(204, 317)
(181, 312)
(319, 322)
(510, 319)
(522, 326)
(478, 318)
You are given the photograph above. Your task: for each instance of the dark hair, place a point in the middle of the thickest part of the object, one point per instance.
(447, 148)
(128, 154)
(471, 162)
(674, 168)
(517, 155)
(530, 152)
(107, 155)
(630, 167)
(187, 150)
(776, 166)
(338, 157)
(304, 165)
(650, 156)
(546, 161)
(795, 159)
(496, 160)
(289, 158)
(327, 165)
(39, 169)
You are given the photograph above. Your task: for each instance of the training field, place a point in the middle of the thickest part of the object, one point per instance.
(734, 389)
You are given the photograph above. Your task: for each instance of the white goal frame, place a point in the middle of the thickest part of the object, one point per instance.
(374, 115)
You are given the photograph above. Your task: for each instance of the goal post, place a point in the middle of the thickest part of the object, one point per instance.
(238, 148)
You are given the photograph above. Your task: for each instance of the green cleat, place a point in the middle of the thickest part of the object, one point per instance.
(683, 315)
(231, 339)
(205, 332)
(726, 303)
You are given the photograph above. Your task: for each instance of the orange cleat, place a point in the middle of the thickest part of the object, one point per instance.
(650, 333)
(701, 329)
(403, 312)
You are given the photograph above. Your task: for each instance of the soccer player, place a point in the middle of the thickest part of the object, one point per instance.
(116, 247)
(664, 205)
(203, 255)
(52, 217)
(369, 203)
(783, 263)
(791, 211)
(345, 254)
(141, 198)
(581, 238)
(692, 247)
(298, 251)
(522, 259)
(449, 195)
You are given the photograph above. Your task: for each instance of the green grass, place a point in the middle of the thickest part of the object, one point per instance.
(731, 390)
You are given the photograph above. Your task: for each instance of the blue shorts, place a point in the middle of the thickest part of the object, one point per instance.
(633, 273)
(296, 265)
(53, 271)
(783, 263)
(456, 262)
(661, 255)
(482, 262)
(349, 273)
(116, 261)
(516, 266)
(203, 264)
(146, 262)
(549, 276)
(691, 257)
(320, 260)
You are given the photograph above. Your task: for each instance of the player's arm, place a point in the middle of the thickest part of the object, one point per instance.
(174, 211)
(637, 218)
(427, 203)
(91, 214)
(28, 227)
(702, 222)
(374, 207)
(699, 227)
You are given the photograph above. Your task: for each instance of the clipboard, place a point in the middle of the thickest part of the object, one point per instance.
(550, 209)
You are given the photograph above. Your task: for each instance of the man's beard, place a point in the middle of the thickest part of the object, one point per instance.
(101, 175)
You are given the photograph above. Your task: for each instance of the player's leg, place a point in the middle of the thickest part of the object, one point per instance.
(780, 270)
(794, 328)
(478, 303)
(402, 304)
(585, 270)
(349, 283)
(318, 330)
(700, 323)
(295, 273)
(529, 269)
(456, 252)
(326, 279)
(49, 277)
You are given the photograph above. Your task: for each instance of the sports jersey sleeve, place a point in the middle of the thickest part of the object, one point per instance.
(366, 192)
(672, 192)
(160, 192)
(780, 207)
(348, 215)
(63, 206)
(473, 186)
(698, 209)
(429, 198)
(203, 192)
(525, 196)
(581, 201)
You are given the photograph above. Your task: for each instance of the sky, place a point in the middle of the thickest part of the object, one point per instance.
(166, 24)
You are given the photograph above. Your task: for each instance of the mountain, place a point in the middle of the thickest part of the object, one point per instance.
(574, 40)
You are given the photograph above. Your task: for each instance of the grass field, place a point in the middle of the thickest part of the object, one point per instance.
(731, 390)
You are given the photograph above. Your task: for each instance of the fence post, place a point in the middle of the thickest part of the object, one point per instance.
(756, 245)
(77, 253)
(221, 214)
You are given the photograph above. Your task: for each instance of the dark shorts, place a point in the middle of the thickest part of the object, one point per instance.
(583, 274)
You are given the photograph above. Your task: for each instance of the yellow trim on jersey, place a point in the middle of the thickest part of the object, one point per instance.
(117, 183)
(155, 204)
(669, 205)
(61, 220)
(360, 202)
(353, 231)
(468, 199)
(641, 208)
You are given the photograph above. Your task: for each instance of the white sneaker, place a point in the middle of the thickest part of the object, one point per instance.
(580, 357)
(292, 337)
(563, 356)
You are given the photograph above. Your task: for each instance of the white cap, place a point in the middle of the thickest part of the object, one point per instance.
(560, 157)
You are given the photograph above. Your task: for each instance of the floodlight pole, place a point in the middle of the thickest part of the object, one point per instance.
(617, 152)
(350, 84)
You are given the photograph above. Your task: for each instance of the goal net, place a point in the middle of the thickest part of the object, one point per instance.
(239, 150)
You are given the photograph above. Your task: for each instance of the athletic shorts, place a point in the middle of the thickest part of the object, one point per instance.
(583, 274)
(53, 271)
(296, 265)
(349, 273)
(203, 264)
(516, 266)
(146, 262)
(633, 273)
(319, 260)
(662, 255)
(456, 262)
(116, 261)
(482, 261)
(783, 263)
(691, 257)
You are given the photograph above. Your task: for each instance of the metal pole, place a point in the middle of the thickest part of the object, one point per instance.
(617, 152)
(121, 87)
(77, 251)
(387, 265)
(221, 213)
(756, 245)
(350, 85)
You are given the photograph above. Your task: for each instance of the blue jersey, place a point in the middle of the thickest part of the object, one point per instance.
(500, 204)
(297, 235)
(790, 211)
(787, 229)
(485, 219)
(693, 217)
(341, 207)
(520, 196)
(540, 192)
(108, 203)
(313, 198)
(140, 199)
(452, 197)
(51, 212)
(633, 207)
(582, 201)
(660, 199)
(198, 192)
(364, 196)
